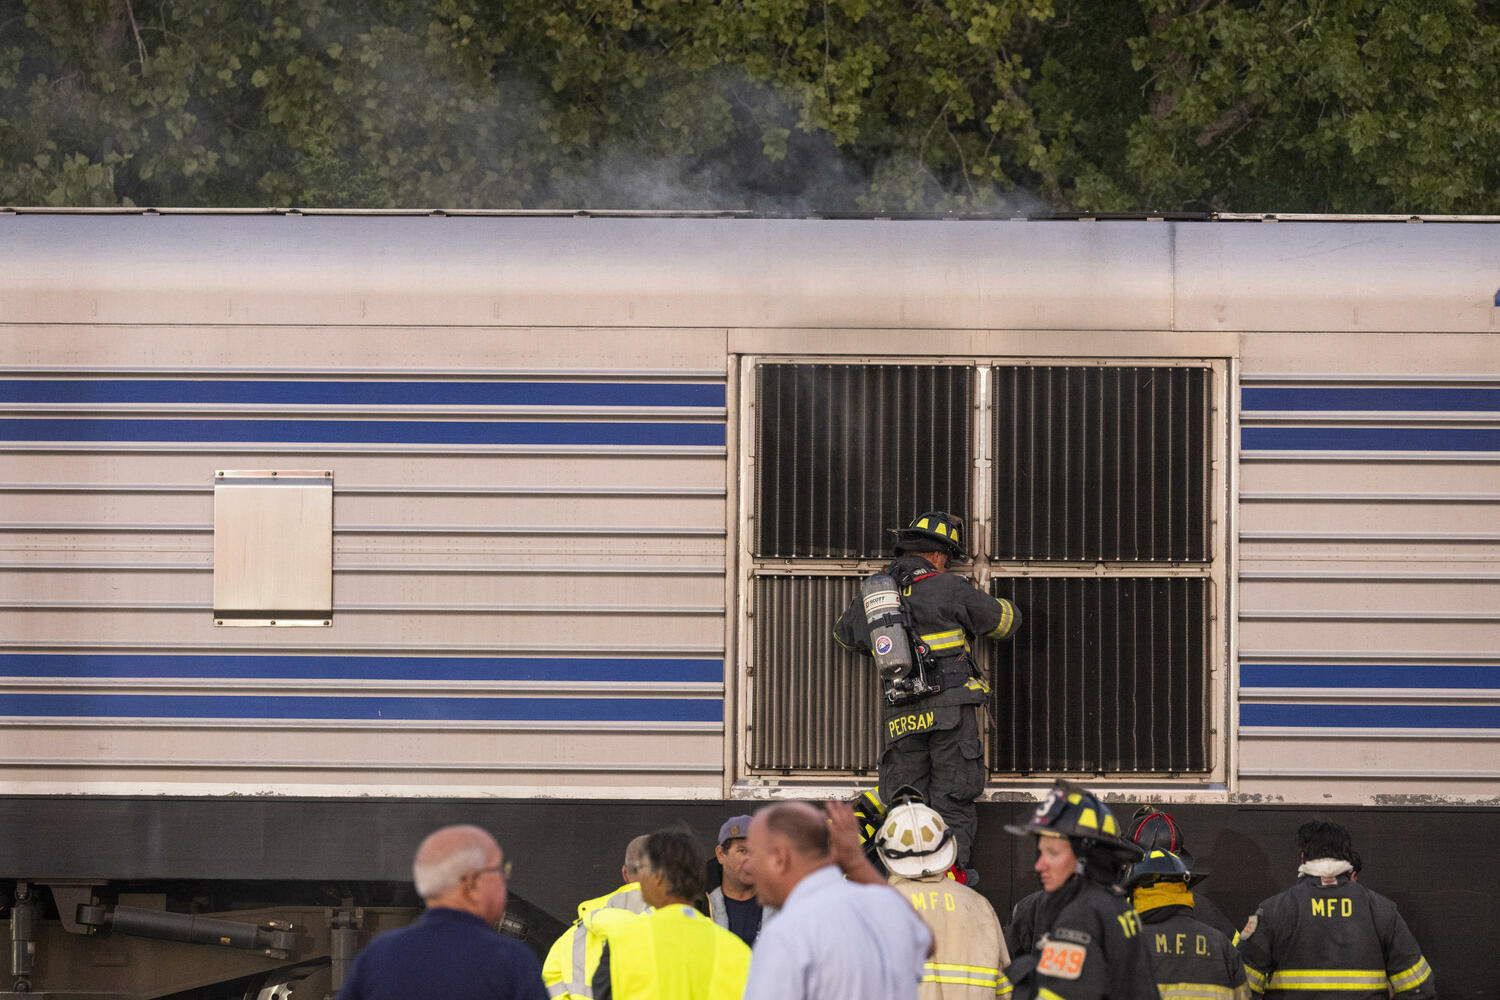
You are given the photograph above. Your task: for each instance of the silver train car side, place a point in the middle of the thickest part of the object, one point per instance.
(469, 510)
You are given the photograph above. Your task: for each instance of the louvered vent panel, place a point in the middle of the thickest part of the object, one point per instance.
(844, 452)
(815, 704)
(1101, 464)
(1105, 675)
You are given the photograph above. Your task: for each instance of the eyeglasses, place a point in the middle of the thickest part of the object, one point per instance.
(503, 869)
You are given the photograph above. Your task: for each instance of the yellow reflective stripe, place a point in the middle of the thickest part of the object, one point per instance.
(1256, 979)
(961, 975)
(1003, 988)
(1411, 977)
(983, 970)
(1046, 994)
(1328, 979)
(1194, 991)
(1007, 619)
(945, 640)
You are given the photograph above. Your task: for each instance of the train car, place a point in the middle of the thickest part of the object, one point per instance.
(323, 528)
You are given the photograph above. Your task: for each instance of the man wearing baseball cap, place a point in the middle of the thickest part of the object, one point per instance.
(732, 902)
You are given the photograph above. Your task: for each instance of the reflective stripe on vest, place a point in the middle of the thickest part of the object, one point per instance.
(1327, 979)
(961, 975)
(1194, 991)
(940, 641)
(1413, 977)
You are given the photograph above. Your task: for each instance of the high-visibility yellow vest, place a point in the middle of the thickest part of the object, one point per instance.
(675, 953)
(569, 969)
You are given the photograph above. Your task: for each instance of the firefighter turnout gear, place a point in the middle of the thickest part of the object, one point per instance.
(1093, 949)
(674, 952)
(968, 945)
(1330, 937)
(573, 957)
(1088, 940)
(1189, 958)
(933, 742)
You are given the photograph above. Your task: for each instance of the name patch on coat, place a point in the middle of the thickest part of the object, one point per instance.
(912, 722)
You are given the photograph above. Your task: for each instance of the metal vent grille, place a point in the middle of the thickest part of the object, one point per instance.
(1101, 464)
(843, 452)
(815, 705)
(1105, 675)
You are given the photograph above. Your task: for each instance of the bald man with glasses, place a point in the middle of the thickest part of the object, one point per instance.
(453, 950)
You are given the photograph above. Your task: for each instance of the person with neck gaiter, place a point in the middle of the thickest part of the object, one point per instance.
(1090, 944)
(1189, 957)
(1330, 938)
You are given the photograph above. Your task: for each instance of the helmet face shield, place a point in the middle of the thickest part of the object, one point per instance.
(1076, 813)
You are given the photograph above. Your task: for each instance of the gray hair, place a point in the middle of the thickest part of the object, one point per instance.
(446, 856)
(636, 860)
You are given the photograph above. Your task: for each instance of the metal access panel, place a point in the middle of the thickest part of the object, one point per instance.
(1108, 675)
(844, 452)
(273, 547)
(1102, 464)
(816, 705)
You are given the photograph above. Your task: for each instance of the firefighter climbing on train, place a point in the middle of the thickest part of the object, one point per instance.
(1089, 939)
(919, 623)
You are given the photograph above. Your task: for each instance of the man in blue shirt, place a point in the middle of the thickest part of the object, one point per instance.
(832, 939)
(452, 951)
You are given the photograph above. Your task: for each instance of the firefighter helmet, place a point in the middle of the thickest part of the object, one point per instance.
(1156, 830)
(914, 841)
(1157, 866)
(1076, 813)
(935, 526)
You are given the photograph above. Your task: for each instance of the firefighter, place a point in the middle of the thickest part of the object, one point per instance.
(1089, 942)
(1154, 830)
(931, 738)
(917, 847)
(1190, 958)
(1330, 937)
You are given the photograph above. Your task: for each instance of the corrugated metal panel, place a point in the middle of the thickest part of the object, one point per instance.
(1370, 558)
(497, 609)
(845, 452)
(815, 706)
(1101, 464)
(1105, 675)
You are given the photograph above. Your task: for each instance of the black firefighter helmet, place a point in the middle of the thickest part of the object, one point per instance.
(1077, 814)
(933, 531)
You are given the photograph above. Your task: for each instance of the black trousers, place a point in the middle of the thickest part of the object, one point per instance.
(947, 768)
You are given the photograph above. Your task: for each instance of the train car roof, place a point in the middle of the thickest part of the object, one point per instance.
(733, 270)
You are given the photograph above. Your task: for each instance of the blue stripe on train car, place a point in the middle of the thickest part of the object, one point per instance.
(1317, 716)
(370, 392)
(664, 670)
(390, 709)
(1415, 676)
(451, 432)
(1369, 439)
(1309, 398)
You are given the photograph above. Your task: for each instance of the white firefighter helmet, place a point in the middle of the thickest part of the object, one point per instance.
(914, 841)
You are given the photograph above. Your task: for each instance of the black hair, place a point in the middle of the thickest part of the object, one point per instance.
(676, 856)
(1321, 839)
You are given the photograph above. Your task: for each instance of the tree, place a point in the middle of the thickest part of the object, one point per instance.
(771, 105)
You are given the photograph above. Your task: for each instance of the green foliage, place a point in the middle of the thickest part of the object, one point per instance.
(790, 105)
